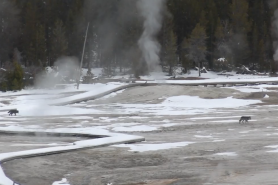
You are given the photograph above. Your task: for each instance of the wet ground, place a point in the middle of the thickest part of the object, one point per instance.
(220, 151)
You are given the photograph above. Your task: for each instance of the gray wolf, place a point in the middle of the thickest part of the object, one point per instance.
(244, 119)
(13, 111)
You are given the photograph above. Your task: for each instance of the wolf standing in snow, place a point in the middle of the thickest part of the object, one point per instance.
(13, 111)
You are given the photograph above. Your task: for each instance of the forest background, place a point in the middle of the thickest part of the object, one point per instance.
(35, 33)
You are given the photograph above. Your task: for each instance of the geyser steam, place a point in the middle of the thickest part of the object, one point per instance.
(151, 10)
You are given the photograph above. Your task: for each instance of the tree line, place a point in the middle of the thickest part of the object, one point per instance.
(38, 32)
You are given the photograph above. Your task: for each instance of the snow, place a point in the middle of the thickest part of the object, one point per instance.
(64, 181)
(274, 147)
(46, 110)
(230, 154)
(196, 102)
(96, 71)
(98, 89)
(142, 128)
(200, 136)
(221, 59)
(112, 95)
(266, 96)
(200, 118)
(153, 147)
(219, 140)
(247, 131)
(169, 125)
(51, 144)
(39, 104)
(213, 76)
(182, 105)
(257, 88)
(113, 138)
(224, 121)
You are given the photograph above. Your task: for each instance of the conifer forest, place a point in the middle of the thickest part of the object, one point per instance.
(35, 33)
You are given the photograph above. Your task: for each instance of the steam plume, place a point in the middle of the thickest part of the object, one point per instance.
(151, 10)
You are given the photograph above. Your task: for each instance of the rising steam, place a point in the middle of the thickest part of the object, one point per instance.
(151, 10)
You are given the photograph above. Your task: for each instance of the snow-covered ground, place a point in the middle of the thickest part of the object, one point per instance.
(180, 105)
(38, 103)
(64, 181)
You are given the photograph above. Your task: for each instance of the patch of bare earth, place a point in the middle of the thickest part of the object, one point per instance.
(158, 182)
(188, 78)
(271, 100)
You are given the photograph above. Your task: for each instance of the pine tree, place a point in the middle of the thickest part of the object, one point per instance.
(261, 59)
(59, 41)
(31, 57)
(239, 16)
(15, 85)
(41, 46)
(240, 26)
(9, 25)
(196, 46)
(212, 16)
(17, 74)
(30, 17)
(254, 47)
(171, 49)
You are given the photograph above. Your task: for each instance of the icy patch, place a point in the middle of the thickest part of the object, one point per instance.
(200, 118)
(51, 144)
(224, 121)
(247, 131)
(76, 117)
(64, 181)
(274, 147)
(153, 147)
(45, 110)
(96, 89)
(123, 124)
(169, 125)
(197, 102)
(199, 136)
(229, 121)
(219, 140)
(181, 105)
(112, 95)
(141, 128)
(107, 119)
(231, 154)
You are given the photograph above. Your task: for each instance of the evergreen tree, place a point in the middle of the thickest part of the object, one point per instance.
(17, 74)
(41, 46)
(222, 37)
(212, 16)
(15, 85)
(42, 32)
(9, 25)
(196, 46)
(171, 49)
(240, 26)
(30, 27)
(59, 41)
(239, 16)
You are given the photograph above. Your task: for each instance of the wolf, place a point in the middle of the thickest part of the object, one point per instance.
(13, 111)
(244, 119)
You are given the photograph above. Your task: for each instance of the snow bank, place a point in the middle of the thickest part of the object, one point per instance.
(113, 138)
(153, 147)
